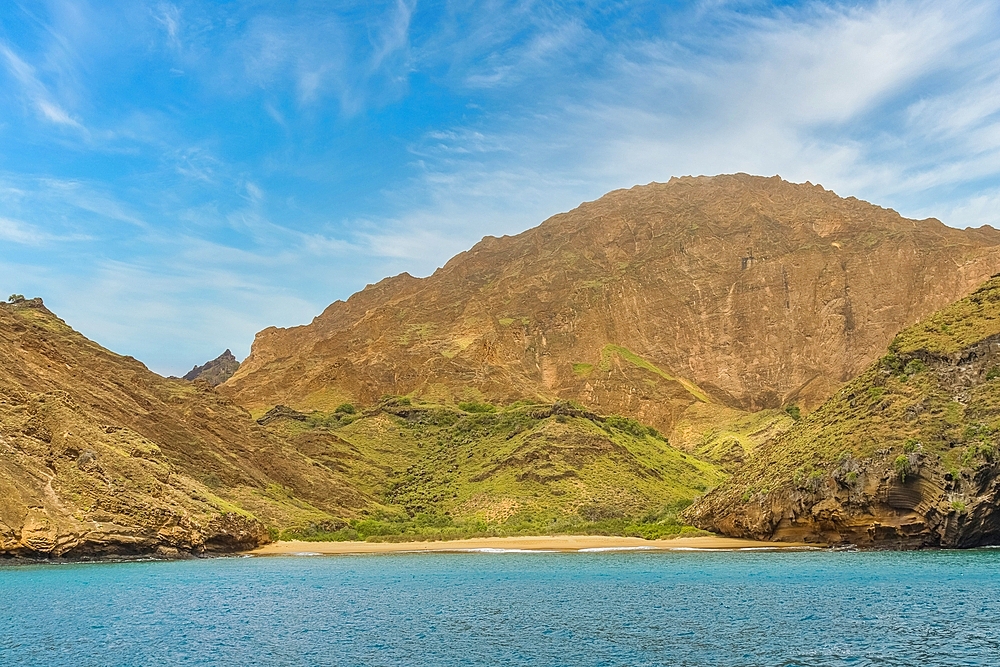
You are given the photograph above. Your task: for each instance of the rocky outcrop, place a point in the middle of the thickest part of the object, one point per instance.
(906, 456)
(734, 290)
(215, 372)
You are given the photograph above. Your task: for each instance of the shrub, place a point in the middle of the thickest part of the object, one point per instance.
(794, 412)
(910, 446)
(16, 298)
(914, 366)
(345, 409)
(476, 407)
(902, 466)
(626, 424)
(958, 506)
(993, 373)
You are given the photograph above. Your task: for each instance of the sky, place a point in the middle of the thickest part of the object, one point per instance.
(176, 176)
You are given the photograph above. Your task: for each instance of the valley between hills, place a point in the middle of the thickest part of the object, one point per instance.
(731, 354)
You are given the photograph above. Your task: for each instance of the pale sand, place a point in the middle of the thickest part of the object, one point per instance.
(541, 543)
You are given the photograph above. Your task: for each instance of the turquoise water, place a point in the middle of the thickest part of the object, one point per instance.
(611, 608)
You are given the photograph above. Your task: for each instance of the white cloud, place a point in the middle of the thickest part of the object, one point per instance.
(15, 231)
(884, 101)
(36, 92)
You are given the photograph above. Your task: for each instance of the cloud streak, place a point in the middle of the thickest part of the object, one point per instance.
(37, 95)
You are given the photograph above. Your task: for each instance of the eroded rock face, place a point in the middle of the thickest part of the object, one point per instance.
(879, 509)
(737, 290)
(905, 456)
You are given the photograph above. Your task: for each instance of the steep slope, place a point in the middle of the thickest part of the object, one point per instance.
(906, 455)
(735, 291)
(98, 455)
(216, 371)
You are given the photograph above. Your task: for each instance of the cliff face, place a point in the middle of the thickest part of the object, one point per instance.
(731, 290)
(99, 456)
(906, 455)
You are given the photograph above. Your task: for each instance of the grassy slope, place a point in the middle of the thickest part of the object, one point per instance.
(441, 471)
(897, 407)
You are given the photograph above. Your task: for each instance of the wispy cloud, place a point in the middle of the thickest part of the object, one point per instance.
(35, 92)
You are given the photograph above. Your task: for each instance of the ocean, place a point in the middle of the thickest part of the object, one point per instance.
(689, 608)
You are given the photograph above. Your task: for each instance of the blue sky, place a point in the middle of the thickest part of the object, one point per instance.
(175, 176)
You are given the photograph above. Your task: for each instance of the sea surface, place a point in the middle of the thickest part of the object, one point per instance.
(598, 608)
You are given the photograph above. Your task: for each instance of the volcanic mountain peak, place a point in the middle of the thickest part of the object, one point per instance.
(755, 291)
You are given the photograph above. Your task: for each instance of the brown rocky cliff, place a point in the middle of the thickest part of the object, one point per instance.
(747, 291)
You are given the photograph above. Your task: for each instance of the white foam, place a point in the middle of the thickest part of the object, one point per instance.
(595, 549)
(305, 553)
(493, 550)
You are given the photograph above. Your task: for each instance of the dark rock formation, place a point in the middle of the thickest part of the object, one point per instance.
(215, 372)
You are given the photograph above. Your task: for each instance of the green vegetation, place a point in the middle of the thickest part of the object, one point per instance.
(476, 407)
(583, 370)
(609, 351)
(794, 412)
(957, 326)
(389, 527)
(902, 466)
(438, 472)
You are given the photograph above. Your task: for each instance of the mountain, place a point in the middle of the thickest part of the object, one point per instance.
(671, 303)
(99, 456)
(905, 455)
(215, 372)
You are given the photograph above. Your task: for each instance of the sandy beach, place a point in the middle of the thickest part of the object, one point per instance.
(563, 543)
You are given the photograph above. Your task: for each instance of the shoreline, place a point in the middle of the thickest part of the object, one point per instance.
(527, 544)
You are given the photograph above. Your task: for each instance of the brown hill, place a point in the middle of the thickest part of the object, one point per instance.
(98, 455)
(740, 291)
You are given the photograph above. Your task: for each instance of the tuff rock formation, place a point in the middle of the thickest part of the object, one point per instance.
(99, 456)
